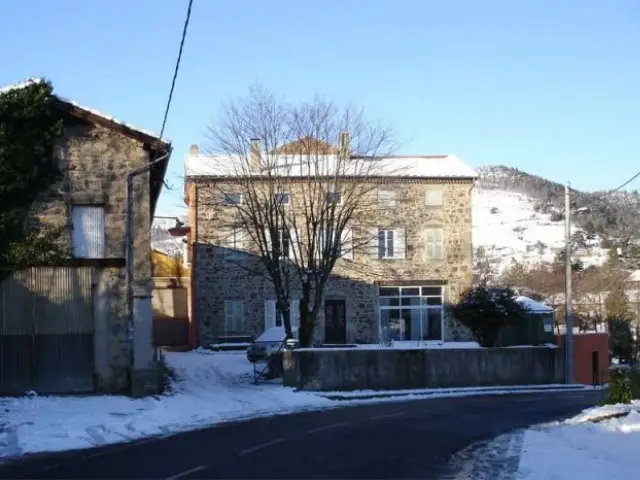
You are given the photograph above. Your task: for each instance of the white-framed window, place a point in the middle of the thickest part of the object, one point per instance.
(434, 243)
(411, 313)
(433, 198)
(234, 321)
(346, 242)
(283, 198)
(387, 198)
(333, 198)
(389, 243)
(273, 318)
(88, 225)
(231, 198)
(282, 247)
(233, 241)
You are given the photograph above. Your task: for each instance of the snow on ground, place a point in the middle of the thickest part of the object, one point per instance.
(508, 228)
(211, 388)
(589, 446)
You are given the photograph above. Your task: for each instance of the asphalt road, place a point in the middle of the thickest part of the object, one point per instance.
(393, 440)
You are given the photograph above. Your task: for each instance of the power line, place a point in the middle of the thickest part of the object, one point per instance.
(611, 192)
(177, 68)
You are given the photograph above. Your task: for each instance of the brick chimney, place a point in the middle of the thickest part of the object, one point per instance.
(255, 152)
(194, 150)
(344, 144)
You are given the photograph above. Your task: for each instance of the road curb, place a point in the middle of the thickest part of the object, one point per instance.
(454, 391)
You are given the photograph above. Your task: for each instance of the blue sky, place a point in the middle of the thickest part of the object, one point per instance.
(552, 88)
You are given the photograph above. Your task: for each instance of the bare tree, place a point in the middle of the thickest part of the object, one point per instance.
(300, 174)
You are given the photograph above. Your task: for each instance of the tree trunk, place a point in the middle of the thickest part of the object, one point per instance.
(286, 319)
(305, 334)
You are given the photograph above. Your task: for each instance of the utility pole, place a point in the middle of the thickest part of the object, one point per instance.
(567, 285)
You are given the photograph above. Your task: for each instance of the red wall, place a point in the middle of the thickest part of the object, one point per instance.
(583, 346)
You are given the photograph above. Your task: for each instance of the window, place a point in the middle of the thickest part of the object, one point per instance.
(433, 198)
(232, 199)
(234, 321)
(334, 198)
(390, 244)
(387, 198)
(233, 241)
(273, 318)
(88, 225)
(346, 243)
(283, 198)
(411, 313)
(186, 254)
(282, 247)
(434, 243)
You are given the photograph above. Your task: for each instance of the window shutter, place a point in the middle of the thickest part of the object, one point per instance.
(399, 243)
(434, 243)
(88, 231)
(269, 243)
(347, 244)
(374, 242)
(228, 316)
(239, 314)
(269, 314)
(295, 313)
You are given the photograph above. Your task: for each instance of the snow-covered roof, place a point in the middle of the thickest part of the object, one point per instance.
(533, 306)
(34, 81)
(430, 166)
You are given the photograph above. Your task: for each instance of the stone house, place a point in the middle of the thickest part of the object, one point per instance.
(81, 333)
(394, 287)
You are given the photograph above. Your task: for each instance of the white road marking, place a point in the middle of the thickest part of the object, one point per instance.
(388, 415)
(261, 446)
(187, 472)
(327, 427)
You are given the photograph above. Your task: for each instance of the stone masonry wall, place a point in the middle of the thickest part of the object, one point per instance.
(217, 279)
(94, 162)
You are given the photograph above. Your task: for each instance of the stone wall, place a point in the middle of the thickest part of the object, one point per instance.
(390, 369)
(217, 279)
(94, 162)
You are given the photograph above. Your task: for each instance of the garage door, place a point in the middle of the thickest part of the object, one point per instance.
(46, 331)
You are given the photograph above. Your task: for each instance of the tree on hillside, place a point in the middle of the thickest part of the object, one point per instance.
(485, 310)
(30, 126)
(299, 174)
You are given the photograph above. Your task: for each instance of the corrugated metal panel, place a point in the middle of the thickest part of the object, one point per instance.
(88, 231)
(46, 331)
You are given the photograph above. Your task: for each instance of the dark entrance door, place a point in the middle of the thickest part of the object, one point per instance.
(335, 321)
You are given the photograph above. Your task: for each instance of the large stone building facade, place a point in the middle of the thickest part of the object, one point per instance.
(413, 256)
(96, 153)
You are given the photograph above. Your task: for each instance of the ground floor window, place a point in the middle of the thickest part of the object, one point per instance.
(411, 313)
(234, 321)
(273, 318)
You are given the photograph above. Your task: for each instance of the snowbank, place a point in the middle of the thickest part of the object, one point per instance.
(589, 446)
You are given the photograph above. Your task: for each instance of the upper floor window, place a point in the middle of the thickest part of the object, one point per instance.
(88, 223)
(434, 243)
(390, 243)
(232, 199)
(387, 198)
(283, 198)
(282, 246)
(334, 198)
(327, 237)
(433, 198)
(233, 241)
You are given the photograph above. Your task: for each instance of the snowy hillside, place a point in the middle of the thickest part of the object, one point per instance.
(507, 227)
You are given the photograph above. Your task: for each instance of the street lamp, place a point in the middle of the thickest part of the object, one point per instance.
(568, 314)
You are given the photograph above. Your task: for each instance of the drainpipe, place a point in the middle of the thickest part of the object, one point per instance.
(129, 239)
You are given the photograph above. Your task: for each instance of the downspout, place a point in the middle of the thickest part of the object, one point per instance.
(129, 239)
